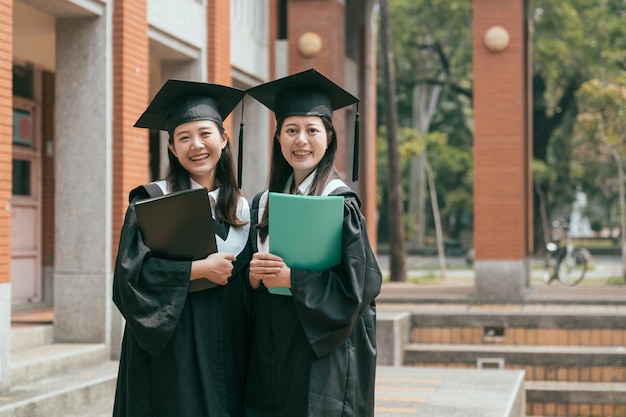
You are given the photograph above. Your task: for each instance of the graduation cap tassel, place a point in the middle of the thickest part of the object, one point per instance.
(240, 153)
(355, 159)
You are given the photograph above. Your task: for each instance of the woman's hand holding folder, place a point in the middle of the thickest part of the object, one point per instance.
(217, 268)
(271, 269)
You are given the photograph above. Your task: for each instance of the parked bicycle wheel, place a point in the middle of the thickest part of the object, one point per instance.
(572, 267)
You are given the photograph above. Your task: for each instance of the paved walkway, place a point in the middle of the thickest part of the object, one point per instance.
(431, 392)
(425, 284)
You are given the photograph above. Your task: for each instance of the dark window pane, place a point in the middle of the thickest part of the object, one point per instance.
(21, 177)
(23, 81)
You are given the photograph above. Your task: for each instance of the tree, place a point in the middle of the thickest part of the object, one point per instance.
(602, 123)
(431, 35)
(574, 41)
(397, 252)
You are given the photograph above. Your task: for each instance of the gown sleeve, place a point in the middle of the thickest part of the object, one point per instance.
(148, 291)
(329, 303)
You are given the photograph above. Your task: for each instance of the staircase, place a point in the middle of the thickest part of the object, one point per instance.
(51, 379)
(573, 355)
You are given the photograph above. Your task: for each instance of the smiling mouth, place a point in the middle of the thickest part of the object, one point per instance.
(302, 153)
(199, 158)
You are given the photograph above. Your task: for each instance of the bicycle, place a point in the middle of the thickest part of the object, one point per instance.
(565, 263)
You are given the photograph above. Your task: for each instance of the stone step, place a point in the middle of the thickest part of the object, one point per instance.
(85, 391)
(26, 337)
(516, 356)
(40, 362)
(584, 399)
(509, 325)
(565, 317)
(563, 392)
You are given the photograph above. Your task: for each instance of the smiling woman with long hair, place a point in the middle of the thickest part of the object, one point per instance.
(313, 353)
(184, 353)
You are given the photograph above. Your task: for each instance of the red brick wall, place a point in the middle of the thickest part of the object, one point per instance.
(218, 60)
(501, 138)
(6, 134)
(130, 98)
(326, 18)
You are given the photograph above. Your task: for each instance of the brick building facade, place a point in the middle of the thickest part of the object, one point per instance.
(75, 76)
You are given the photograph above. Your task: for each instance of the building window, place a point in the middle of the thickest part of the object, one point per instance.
(22, 128)
(24, 81)
(21, 177)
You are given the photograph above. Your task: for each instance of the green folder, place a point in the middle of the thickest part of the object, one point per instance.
(305, 231)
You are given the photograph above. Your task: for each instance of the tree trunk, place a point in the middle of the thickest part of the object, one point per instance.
(435, 204)
(425, 98)
(622, 209)
(397, 255)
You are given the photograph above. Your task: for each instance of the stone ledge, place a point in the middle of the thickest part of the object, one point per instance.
(553, 356)
(576, 392)
(392, 335)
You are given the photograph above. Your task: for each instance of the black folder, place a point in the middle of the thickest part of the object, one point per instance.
(179, 226)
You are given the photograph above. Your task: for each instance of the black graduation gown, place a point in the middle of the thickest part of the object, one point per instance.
(314, 354)
(183, 354)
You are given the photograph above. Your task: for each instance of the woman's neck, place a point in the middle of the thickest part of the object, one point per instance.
(207, 181)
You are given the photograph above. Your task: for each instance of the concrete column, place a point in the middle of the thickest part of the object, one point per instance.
(257, 145)
(83, 260)
(5, 335)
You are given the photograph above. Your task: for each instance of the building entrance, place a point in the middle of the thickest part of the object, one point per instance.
(26, 190)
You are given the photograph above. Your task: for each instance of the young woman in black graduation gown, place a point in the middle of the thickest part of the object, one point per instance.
(313, 353)
(184, 353)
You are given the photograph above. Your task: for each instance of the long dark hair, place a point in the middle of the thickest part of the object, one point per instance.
(226, 207)
(280, 170)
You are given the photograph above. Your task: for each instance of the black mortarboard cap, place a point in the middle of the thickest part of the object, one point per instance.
(308, 93)
(181, 101)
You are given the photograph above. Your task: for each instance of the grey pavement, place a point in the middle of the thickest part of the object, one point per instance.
(457, 271)
(446, 392)
(602, 283)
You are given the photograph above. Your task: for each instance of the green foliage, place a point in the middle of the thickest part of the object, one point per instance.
(432, 44)
(600, 129)
(453, 170)
(577, 39)
(573, 41)
(543, 172)
(602, 116)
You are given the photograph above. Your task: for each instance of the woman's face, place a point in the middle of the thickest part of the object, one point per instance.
(303, 142)
(198, 146)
